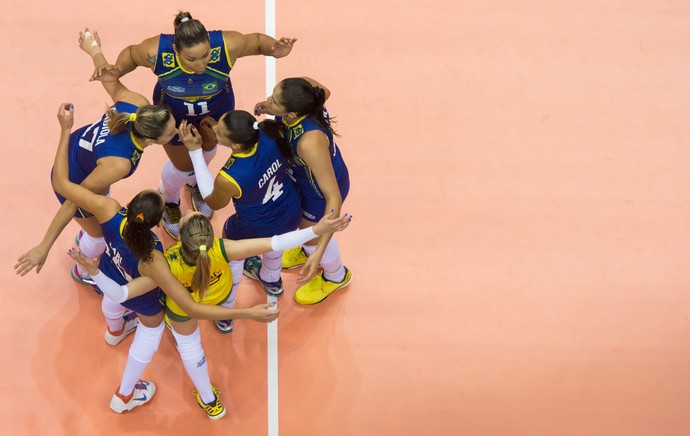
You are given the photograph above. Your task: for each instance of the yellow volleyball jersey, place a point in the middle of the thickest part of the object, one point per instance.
(221, 275)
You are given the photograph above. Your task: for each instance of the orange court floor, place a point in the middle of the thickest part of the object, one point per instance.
(520, 244)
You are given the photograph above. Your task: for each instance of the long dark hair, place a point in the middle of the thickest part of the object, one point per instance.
(143, 213)
(299, 96)
(240, 124)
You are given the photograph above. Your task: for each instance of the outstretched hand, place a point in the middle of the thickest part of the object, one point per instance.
(329, 224)
(34, 258)
(90, 265)
(189, 136)
(263, 313)
(282, 47)
(65, 116)
(90, 42)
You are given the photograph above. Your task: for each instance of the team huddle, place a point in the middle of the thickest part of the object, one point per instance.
(286, 178)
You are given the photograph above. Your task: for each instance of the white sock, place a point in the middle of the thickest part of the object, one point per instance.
(144, 346)
(194, 360)
(113, 313)
(309, 249)
(172, 181)
(333, 268)
(91, 247)
(271, 264)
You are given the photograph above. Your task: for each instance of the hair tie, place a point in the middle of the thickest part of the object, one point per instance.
(202, 248)
(132, 117)
(141, 217)
(256, 125)
(184, 20)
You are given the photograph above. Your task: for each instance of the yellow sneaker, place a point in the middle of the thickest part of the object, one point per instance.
(215, 410)
(318, 288)
(294, 257)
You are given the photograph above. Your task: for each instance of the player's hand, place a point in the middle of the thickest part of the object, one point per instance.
(90, 42)
(207, 130)
(65, 116)
(263, 313)
(189, 136)
(34, 258)
(282, 47)
(331, 224)
(262, 108)
(90, 265)
(105, 73)
(309, 269)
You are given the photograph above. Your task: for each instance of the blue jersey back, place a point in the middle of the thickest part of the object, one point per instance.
(302, 173)
(177, 83)
(95, 141)
(267, 192)
(118, 262)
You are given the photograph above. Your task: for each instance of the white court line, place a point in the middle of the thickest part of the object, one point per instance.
(272, 328)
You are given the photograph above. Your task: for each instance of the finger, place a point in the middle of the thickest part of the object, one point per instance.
(38, 268)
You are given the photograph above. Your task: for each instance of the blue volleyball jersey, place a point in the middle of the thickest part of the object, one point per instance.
(195, 94)
(118, 262)
(95, 141)
(300, 170)
(267, 193)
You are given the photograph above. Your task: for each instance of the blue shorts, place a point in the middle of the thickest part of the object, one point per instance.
(148, 304)
(235, 228)
(214, 108)
(313, 207)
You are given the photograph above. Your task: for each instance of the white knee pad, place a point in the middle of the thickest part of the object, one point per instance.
(172, 180)
(189, 346)
(146, 342)
(90, 246)
(111, 309)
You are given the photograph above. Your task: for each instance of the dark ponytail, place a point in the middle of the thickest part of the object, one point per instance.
(240, 124)
(299, 96)
(143, 213)
(189, 32)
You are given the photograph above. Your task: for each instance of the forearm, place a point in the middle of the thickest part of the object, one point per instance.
(203, 176)
(63, 216)
(214, 313)
(61, 163)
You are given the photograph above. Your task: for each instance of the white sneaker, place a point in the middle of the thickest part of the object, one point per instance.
(143, 392)
(131, 323)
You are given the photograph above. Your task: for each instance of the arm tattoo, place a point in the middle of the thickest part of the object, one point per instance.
(151, 59)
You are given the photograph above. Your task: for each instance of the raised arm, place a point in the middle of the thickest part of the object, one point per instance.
(216, 194)
(252, 44)
(107, 74)
(101, 206)
(138, 55)
(36, 256)
(243, 248)
(158, 270)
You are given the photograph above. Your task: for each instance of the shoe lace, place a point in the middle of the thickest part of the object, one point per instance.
(196, 193)
(172, 211)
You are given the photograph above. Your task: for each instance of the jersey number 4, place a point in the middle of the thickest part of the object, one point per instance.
(274, 191)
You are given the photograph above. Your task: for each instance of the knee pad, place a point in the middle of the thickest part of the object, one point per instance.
(90, 246)
(172, 181)
(189, 346)
(111, 309)
(146, 342)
